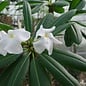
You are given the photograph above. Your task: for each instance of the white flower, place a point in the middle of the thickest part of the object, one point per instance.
(11, 41)
(2, 43)
(45, 40)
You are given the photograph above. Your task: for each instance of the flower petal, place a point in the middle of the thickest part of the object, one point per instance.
(48, 45)
(13, 46)
(3, 35)
(3, 52)
(2, 45)
(38, 46)
(52, 1)
(20, 34)
(50, 29)
(42, 31)
(56, 41)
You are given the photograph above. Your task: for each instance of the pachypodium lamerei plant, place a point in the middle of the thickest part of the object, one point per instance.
(30, 52)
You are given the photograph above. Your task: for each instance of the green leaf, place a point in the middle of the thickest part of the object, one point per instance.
(4, 77)
(31, 2)
(58, 9)
(83, 34)
(5, 27)
(68, 0)
(77, 35)
(81, 5)
(77, 4)
(60, 3)
(80, 11)
(48, 20)
(58, 71)
(72, 35)
(7, 60)
(3, 5)
(68, 37)
(38, 76)
(19, 71)
(74, 4)
(79, 23)
(64, 18)
(62, 28)
(27, 16)
(69, 59)
(36, 8)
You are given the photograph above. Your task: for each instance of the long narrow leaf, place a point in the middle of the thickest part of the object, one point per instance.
(64, 18)
(84, 25)
(74, 4)
(80, 11)
(83, 34)
(38, 76)
(7, 60)
(19, 71)
(58, 9)
(31, 2)
(58, 71)
(62, 28)
(3, 5)
(4, 77)
(36, 8)
(78, 37)
(69, 59)
(68, 37)
(72, 35)
(48, 20)
(5, 27)
(81, 5)
(60, 3)
(27, 16)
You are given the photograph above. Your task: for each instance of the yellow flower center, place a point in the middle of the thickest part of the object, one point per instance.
(46, 35)
(11, 36)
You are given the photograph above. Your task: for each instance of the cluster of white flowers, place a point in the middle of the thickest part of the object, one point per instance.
(45, 40)
(10, 42)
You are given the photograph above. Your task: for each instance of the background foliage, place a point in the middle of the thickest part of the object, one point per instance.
(40, 67)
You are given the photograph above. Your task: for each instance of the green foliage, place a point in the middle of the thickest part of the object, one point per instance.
(58, 9)
(77, 4)
(60, 3)
(5, 27)
(83, 34)
(31, 2)
(79, 23)
(69, 59)
(35, 5)
(58, 71)
(36, 8)
(58, 6)
(3, 5)
(64, 18)
(72, 35)
(15, 73)
(38, 68)
(62, 27)
(38, 76)
(7, 60)
(48, 20)
(19, 71)
(27, 16)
